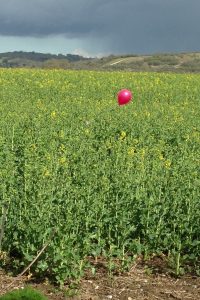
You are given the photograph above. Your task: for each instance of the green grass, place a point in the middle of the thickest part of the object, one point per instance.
(113, 181)
(23, 294)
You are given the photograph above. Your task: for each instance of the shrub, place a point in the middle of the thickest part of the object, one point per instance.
(23, 294)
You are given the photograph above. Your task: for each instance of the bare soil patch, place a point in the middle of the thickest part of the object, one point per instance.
(136, 284)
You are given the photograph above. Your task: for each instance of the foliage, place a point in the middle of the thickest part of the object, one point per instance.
(34, 59)
(113, 181)
(157, 60)
(23, 294)
(192, 65)
(163, 62)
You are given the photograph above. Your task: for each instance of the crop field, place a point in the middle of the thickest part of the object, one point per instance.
(95, 180)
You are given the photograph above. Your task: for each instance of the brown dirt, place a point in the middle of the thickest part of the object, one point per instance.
(136, 284)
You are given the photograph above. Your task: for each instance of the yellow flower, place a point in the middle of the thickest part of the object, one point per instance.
(147, 113)
(39, 104)
(62, 147)
(53, 114)
(161, 156)
(48, 156)
(33, 147)
(143, 152)
(46, 173)
(62, 160)
(61, 134)
(123, 135)
(87, 131)
(131, 151)
(168, 163)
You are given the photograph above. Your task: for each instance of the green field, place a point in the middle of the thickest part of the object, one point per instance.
(97, 179)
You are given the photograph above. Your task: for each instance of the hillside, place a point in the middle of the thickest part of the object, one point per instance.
(37, 60)
(169, 62)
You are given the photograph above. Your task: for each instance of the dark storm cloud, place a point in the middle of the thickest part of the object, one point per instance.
(123, 25)
(47, 17)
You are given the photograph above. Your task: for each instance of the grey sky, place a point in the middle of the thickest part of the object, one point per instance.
(100, 26)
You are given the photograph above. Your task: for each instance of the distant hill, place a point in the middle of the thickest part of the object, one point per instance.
(34, 59)
(164, 62)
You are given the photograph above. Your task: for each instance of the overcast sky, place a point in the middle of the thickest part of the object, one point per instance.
(95, 27)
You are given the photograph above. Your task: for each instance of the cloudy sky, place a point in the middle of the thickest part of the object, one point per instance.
(100, 27)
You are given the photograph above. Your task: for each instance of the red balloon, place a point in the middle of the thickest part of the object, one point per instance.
(124, 96)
